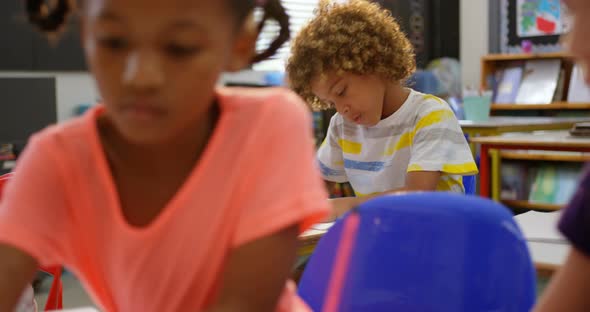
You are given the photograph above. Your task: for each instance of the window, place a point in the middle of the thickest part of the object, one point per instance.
(300, 12)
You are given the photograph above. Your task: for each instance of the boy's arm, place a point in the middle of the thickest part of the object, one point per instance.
(416, 181)
(17, 269)
(255, 274)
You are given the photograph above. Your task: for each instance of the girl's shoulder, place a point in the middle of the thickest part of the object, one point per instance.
(266, 105)
(69, 137)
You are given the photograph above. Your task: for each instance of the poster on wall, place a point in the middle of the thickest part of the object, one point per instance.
(541, 22)
(539, 18)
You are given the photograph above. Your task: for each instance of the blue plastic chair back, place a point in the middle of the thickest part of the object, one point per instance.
(428, 252)
(469, 183)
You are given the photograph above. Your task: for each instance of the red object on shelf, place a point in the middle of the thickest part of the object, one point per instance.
(546, 25)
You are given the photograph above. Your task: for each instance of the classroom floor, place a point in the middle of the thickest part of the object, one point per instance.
(74, 295)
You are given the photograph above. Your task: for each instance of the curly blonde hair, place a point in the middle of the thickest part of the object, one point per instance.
(358, 37)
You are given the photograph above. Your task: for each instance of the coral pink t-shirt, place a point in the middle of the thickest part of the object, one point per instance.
(256, 176)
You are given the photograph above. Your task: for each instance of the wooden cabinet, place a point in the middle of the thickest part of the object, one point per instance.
(492, 63)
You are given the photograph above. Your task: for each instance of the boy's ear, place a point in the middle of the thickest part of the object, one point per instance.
(244, 48)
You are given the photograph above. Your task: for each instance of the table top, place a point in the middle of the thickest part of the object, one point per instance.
(536, 139)
(499, 122)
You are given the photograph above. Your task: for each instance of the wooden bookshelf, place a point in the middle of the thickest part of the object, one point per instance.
(543, 157)
(552, 106)
(492, 63)
(525, 204)
(546, 270)
(526, 56)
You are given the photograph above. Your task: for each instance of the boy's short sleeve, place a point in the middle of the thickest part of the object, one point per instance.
(575, 221)
(33, 211)
(330, 156)
(284, 186)
(439, 144)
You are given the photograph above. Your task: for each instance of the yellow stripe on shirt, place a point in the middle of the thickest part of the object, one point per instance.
(450, 184)
(466, 168)
(404, 141)
(407, 138)
(432, 97)
(433, 118)
(365, 195)
(350, 147)
(415, 167)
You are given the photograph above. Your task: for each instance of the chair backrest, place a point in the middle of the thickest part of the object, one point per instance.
(469, 183)
(427, 252)
(54, 299)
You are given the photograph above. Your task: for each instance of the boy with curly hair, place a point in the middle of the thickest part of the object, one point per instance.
(384, 137)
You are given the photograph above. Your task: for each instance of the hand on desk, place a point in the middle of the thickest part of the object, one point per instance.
(341, 206)
(416, 181)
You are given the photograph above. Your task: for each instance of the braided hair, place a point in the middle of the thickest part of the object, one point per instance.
(52, 18)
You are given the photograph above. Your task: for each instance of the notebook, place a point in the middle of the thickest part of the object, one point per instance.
(578, 92)
(509, 85)
(539, 82)
(540, 226)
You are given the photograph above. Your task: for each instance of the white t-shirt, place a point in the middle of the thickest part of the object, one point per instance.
(423, 135)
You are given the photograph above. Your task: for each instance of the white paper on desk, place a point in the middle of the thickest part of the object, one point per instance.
(324, 226)
(540, 226)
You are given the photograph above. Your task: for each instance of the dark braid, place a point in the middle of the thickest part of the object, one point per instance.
(45, 18)
(273, 10)
(52, 19)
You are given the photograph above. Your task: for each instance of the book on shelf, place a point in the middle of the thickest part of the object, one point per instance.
(319, 128)
(578, 92)
(560, 88)
(539, 82)
(544, 188)
(507, 88)
(514, 181)
(567, 181)
(555, 184)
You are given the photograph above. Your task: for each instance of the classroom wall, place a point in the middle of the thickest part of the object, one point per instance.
(474, 27)
(72, 90)
(78, 88)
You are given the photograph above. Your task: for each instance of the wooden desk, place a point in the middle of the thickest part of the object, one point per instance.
(309, 239)
(307, 243)
(546, 141)
(545, 264)
(499, 125)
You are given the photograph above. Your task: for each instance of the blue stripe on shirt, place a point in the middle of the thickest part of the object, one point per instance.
(329, 172)
(364, 165)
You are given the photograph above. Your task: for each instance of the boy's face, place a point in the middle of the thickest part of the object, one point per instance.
(358, 98)
(578, 38)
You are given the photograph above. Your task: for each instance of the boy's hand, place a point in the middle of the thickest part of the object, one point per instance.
(340, 206)
(416, 181)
